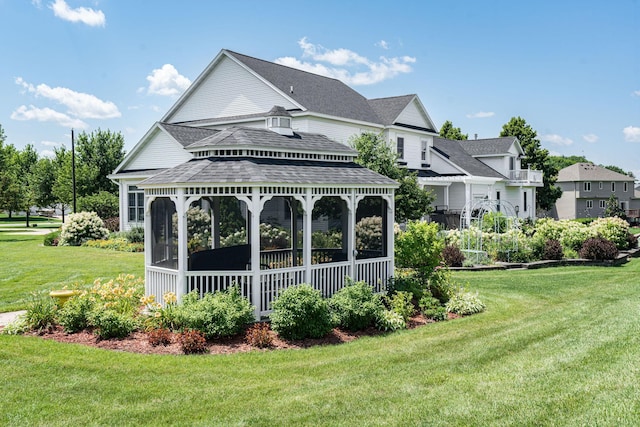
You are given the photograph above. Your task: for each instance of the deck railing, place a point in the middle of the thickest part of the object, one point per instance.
(525, 175)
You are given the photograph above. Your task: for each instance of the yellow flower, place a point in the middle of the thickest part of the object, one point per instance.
(157, 314)
(170, 298)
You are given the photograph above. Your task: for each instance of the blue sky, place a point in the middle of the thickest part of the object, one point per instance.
(571, 69)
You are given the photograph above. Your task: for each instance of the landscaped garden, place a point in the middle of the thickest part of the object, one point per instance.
(552, 347)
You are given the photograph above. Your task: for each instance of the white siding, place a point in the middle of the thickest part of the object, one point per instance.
(439, 165)
(456, 196)
(500, 164)
(160, 151)
(229, 90)
(335, 130)
(412, 115)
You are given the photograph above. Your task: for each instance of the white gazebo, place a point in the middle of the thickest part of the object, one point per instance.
(323, 217)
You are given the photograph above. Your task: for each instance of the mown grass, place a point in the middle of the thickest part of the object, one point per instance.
(558, 346)
(27, 266)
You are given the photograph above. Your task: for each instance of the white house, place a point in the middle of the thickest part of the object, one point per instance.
(239, 90)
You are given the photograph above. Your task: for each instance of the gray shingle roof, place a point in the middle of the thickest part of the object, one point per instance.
(388, 109)
(488, 146)
(590, 172)
(316, 93)
(244, 137)
(459, 156)
(269, 171)
(187, 135)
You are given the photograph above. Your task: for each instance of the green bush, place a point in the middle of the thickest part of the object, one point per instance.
(355, 306)
(598, 248)
(419, 247)
(401, 303)
(103, 203)
(301, 312)
(116, 244)
(407, 280)
(216, 315)
(440, 284)
(465, 303)
(74, 315)
(369, 233)
(80, 227)
(135, 235)
(109, 323)
(41, 312)
(52, 238)
(432, 309)
(389, 320)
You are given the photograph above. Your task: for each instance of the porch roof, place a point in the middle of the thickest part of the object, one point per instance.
(249, 170)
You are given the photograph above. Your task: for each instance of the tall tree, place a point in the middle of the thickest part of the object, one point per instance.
(619, 170)
(98, 154)
(561, 162)
(448, 131)
(26, 161)
(9, 183)
(537, 158)
(411, 200)
(62, 187)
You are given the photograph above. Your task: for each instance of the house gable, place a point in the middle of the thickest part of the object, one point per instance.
(405, 111)
(158, 150)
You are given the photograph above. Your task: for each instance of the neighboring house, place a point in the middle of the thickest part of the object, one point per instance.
(463, 173)
(239, 90)
(587, 187)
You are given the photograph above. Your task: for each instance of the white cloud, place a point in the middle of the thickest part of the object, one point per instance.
(166, 81)
(383, 44)
(24, 113)
(88, 16)
(481, 115)
(81, 105)
(556, 139)
(631, 134)
(590, 138)
(636, 92)
(344, 64)
(51, 143)
(49, 154)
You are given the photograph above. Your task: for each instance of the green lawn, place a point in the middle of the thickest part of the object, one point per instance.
(557, 346)
(634, 230)
(26, 266)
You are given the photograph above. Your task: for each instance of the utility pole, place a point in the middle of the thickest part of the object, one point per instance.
(73, 171)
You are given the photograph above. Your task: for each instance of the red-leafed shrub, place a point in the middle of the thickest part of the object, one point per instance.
(259, 335)
(192, 342)
(597, 248)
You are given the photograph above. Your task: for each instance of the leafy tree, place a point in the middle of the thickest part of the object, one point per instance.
(98, 154)
(43, 180)
(62, 188)
(26, 161)
(619, 170)
(612, 208)
(537, 158)
(412, 202)
(449, 132)
(561, 162)
(9, 183)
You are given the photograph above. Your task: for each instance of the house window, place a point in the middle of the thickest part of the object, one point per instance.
(624, 206)
(512, 163)
(400, 148)
(600, 185)
(603, 204)
(625, 186)
(587, 186)
(613, 187)
(525, 200)
(425, 147)
(135, 204)
(589, 204)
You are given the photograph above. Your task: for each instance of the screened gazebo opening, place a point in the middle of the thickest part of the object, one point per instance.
(371, 228)
(330, 230)
(164, 237)
(281, 233)
(217, 237)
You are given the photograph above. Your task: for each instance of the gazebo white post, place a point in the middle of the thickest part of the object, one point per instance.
(256, 286)
(352, 206)
(148, 239)
(390, 235)
(307, 234)
(215, 222)
(181, 211)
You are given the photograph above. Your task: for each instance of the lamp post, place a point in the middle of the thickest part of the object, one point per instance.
(73, 171)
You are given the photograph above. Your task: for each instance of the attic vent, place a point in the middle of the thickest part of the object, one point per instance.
(279, 120)
(290, 89)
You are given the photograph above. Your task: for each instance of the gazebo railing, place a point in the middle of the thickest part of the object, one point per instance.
(159, 281)
(374, 271)
(205, 282)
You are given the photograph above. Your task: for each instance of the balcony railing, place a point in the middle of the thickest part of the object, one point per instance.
(525, 176)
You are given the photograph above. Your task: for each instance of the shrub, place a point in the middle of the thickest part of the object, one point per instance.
(103, 203)
(74, 315)
(160, 336)
(135, 235)
(400, 302)
(613, 229)
(216, 315)
(17, 327)
(465, 303)
(41, 312)
(452, 256)
(598, 248)
(117, 244)
(259, 335)
(389, 320)
(408, 281)
(552, 250)
(440, 284)
(632, 241)
(112, 224)
(109, 323)
(301, 312)
(80, 227)
(193, 342)
(122, 294)
(419, 247)
(355, 306)
(369, 233)
(52, 238)
(432, 309)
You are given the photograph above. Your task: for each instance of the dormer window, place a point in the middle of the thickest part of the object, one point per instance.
(279, 120)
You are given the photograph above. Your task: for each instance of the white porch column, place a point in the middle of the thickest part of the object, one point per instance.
(256, 285)
(181, 211)
(391, 208)
(215, 222)
(148, 230)
(307, 233)
(446, 196)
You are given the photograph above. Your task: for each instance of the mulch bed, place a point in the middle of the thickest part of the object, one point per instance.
(138, 341)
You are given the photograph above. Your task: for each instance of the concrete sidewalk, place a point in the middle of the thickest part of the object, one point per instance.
(8, 317)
